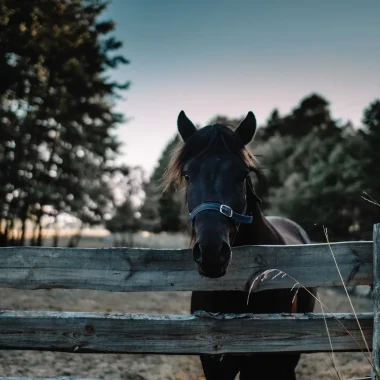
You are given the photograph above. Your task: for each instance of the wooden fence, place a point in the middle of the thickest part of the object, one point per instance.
(126, 270)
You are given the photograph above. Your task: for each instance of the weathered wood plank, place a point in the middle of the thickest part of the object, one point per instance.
(178, 334)
(131, 269)
(376, 298)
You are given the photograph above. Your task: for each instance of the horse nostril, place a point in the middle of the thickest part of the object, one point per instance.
(212, 256)
(197, 254)
(225, 254)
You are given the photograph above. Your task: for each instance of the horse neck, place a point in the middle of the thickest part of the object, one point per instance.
(260, 231)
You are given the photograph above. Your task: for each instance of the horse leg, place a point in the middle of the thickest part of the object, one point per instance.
(217, 367)
(269, 367)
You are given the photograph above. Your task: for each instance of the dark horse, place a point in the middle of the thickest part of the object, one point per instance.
(224, 211)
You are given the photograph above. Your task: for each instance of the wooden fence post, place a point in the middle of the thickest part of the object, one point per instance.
(376, 299)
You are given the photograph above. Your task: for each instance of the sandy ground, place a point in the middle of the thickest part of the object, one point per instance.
(147, 367)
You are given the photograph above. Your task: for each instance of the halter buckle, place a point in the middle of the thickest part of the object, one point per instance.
(226, 210)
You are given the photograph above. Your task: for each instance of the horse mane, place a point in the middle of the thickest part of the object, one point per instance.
(199, 144)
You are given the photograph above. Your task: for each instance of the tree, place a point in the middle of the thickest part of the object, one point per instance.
(150, 215)
(123, 222)
(56, 111)
(168, 206)
(328, 193)
(313, 169)
(371, 121)
(311, 115)
(371, 172)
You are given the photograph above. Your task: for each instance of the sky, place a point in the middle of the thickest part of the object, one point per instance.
(210, 57)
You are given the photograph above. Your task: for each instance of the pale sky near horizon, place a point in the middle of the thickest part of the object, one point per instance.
(228, 57)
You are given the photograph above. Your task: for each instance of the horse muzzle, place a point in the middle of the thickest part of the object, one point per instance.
(212, 260)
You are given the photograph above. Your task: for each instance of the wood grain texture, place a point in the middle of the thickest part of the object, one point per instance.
(376, 298)
(178, 334)
(132, 269)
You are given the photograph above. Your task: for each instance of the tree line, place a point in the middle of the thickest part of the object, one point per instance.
(58, 140)
(57, 124)
(316, 170)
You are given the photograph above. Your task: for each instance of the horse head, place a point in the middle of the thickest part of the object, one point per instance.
(215, 165)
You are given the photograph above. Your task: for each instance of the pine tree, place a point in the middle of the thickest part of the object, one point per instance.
(56, 116)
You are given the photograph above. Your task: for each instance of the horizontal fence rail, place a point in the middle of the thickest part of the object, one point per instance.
(133, 269)
(180, 334)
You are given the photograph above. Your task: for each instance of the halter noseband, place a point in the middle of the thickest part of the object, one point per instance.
(226, 210)
(223, 209)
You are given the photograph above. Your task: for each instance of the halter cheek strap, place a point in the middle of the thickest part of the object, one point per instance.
(223, 209)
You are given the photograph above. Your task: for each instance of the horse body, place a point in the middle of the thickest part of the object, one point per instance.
(215, 165)
(269, 230)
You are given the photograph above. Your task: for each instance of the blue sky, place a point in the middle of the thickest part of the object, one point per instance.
(228, 57)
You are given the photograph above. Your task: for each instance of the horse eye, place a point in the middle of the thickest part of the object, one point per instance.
(186, 176)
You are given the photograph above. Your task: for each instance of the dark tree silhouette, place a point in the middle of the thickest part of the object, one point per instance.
(169, 213)
(316, 178)
(371, 172)
(56, 118)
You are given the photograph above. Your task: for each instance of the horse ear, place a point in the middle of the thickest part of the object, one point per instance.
(185, 127)
(247, 128)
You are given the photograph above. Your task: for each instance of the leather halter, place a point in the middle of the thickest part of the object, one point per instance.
(226, 210)
(223, 209)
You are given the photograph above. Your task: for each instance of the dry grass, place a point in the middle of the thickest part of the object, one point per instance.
(266, 274)
(369, 199)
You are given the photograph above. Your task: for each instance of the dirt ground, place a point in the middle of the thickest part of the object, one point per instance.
(149, 367)
(145, 367)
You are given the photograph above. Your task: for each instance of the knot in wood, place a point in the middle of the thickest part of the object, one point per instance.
(217, 347)
(259, 259)
(89, 330)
